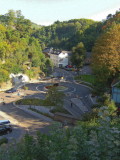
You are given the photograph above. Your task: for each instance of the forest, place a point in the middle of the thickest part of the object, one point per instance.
(65, 35)
(19, 51)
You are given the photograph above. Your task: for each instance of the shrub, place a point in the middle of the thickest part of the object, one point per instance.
(82, 142)
(25, 87)
(3, 140)
(90, 115)
(4, 75)
(33, 101)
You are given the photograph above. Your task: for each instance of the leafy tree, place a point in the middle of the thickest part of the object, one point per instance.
(18, 47)
(85, 141)
(67, 34)
(106, 54)
(4, 75)
(55, 97)
(78, 55)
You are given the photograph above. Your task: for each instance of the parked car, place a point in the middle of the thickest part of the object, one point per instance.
(12, 90)
(5, 122)
(4, 129)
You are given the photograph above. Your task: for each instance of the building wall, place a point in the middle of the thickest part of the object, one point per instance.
(63, 59)
(54, 59)
(116, 94)
(60, 59)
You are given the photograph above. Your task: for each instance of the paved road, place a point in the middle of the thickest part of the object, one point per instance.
(81, 92)
(22, 121)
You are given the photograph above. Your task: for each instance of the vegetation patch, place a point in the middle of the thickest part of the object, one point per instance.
(61, 88)
(3, 140)
(33, 101)
(61, 110)
(118, 85)
(87, 78)
(25, 87)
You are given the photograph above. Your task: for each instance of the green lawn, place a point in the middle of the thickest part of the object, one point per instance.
(61, 88)
(86, 78)
(33, 101)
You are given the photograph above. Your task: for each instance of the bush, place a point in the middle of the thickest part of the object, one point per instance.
(61, 110)
(25, 87)
(4, 75)
(82, 142)
(91, 115)
(33, 101)
(3, 140)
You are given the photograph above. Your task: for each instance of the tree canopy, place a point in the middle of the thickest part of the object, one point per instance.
(19, 50)
(67, 34)
(106, 54)
(78, 55)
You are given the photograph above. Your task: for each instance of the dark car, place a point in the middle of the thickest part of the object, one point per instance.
(4, 129)
(12, 90)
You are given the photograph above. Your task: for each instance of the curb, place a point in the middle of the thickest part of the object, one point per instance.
(82, 85)
(79, 83)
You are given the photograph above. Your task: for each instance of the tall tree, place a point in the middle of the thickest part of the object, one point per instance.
(78, 55)
(106, 54)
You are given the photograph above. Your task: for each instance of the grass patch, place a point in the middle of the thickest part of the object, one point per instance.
(33, 101)
(87, 78)
(61, 110)
(58, 87)
(61, 88)
(3, 140)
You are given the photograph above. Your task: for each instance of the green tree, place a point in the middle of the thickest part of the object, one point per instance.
(106, 54)
(99, 141)
(55, 97)
(78, 55)
(4, 75)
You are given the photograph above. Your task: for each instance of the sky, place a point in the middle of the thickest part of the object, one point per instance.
(46, 12)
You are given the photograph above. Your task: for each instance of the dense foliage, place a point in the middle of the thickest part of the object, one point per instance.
(106, 52)
(87, 141)
(19, 51)
(78, 55)
(55, 97)
(67, 34)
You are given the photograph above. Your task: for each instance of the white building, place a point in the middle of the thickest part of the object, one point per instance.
(60, 58)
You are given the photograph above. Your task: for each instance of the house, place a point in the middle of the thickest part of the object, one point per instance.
(60, 58)
(116, 91)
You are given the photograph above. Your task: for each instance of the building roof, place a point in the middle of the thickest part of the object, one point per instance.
(57, 52)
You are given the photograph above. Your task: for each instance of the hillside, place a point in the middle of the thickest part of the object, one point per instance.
(19, 51)
(67, 34)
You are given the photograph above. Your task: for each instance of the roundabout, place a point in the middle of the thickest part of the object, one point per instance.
(62, 87)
